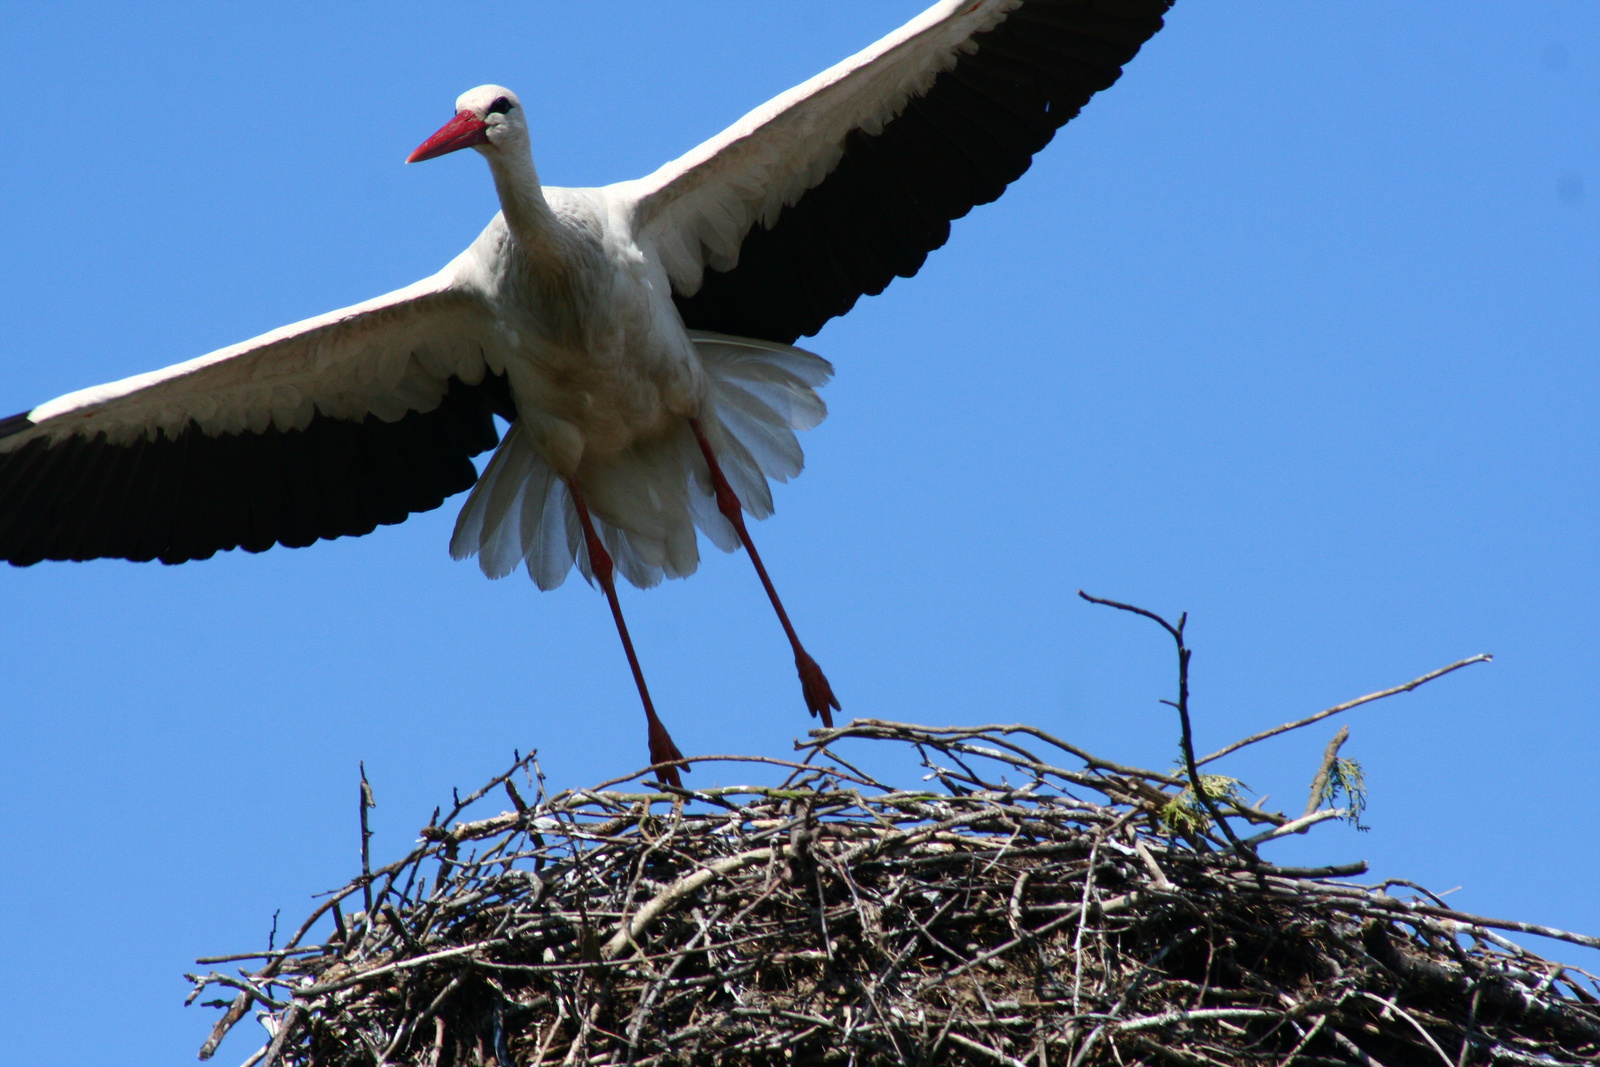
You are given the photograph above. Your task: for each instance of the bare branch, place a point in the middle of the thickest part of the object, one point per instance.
(1319, 784)
(1483, 657)
(1196, 783)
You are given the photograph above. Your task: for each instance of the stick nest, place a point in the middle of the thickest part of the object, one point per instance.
(1009, 911)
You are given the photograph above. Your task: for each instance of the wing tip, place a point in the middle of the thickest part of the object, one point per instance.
(16, 424)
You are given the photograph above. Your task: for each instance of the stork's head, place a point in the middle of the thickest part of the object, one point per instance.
(488, 118)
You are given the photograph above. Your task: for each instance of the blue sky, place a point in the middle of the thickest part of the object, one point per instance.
(1296, 329)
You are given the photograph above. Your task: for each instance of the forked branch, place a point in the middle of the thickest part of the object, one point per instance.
(1196, 783)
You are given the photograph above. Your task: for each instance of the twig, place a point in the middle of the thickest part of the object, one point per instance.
(1483, 657)
(1390, 1006)
(983, 1050)
(677, 890)
(1319, 784)
(286, 1026)
(1355, 1051)
(1083, 917)
(235, 1012)
(1305, 1039)
(1149, 1022)
(1298, 826)
(1196, 783)
(366, 801)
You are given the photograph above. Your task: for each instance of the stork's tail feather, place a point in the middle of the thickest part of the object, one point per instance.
(519, 512)
(761, 393)
(647, 502)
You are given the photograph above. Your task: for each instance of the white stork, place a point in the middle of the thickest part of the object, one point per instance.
(638, 337)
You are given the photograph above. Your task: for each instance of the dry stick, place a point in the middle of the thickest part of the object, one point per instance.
(1389, 1005)
(438, 1041)
(643, 859)
(1182, 705)
(235, 1012)
(366, 836)
(627, 931)
(1320, 783)
(1472, 1023)
(1297, 826)
(549, 1035)
(1083, 918)
(1014, 908)
(234, 957)
(984, 1050)
(641, 1013)
(1350, 1048)
(1150, 1022)
(1305, 1040)
(244, 985)
(1131, 987)
(711, 759)
(1483, 657)
(576, 1049)
(1358, 900)
(285, 1025)
(356, 978)
(862, 775)
(1469, 919)
(1109, 907)
(866, 728)
(1143, 851)
(241, 1003)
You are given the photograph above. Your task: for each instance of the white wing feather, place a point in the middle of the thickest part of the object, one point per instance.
(384, 357)
(696, 210)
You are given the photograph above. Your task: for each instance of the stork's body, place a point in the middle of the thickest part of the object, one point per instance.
(637, 336)
(594, 352)
(615, 415)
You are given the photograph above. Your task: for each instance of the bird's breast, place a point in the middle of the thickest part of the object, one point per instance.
(601, 371)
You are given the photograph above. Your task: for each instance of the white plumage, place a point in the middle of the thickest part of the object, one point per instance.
(760, 393)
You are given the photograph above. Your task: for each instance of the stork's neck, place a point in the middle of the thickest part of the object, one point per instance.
(522, 199)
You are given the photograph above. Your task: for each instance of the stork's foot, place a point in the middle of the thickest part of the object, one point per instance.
(665, 755)
(819, 694)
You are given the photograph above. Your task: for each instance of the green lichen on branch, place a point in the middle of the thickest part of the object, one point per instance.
(1185, 814)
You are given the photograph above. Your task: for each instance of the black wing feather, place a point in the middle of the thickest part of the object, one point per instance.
(189, 496)
(890, 199)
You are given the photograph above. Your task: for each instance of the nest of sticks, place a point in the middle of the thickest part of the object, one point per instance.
(1026, 903)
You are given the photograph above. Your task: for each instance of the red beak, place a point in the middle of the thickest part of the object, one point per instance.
(463, 131)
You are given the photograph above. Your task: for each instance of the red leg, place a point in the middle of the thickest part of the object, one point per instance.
(818, 693)
(663, 753)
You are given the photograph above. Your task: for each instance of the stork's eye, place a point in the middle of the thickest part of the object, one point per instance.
(500, 106)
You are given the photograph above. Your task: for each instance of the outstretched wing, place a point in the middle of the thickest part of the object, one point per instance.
(325, 428)
(855, 175)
